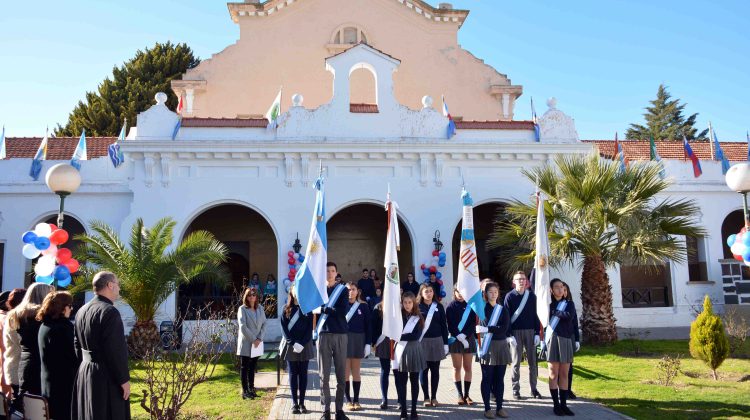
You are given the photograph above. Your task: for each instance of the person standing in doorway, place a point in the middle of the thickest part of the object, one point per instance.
(252, 325)
(410, 285)
(520, 303)
(367, 285)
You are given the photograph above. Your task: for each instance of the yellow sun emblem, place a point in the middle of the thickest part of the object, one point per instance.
(315, 247)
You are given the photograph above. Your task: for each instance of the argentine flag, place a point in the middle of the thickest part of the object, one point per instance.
(114, 152)
(468, 267)
(310, 281)
(80, 153)
(41, 154)
(2, 144)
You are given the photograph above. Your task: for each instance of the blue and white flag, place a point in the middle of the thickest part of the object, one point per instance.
(541, 263)
(114, 152)
(2, 144)
(537, 131)
(468, 268)
(747, 135)
(41, 154)
(451, 129)
(718, 153)
(272, 115)
(310, 281)
(80, 153)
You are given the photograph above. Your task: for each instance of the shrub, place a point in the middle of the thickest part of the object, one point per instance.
(708, 340)
(738, 329)
(668, 368)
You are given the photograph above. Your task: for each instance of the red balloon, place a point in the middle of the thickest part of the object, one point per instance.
(63, 255)
(290, 254)
(52, 226)
(435, 253)
(72, 265)
(433, 269)
(58, 237)
(290, 275)
(422, 266)
(290, 261)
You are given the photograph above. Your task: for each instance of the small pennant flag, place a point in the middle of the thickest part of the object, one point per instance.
(451, 129)
(747, 135)
(41, 154)
(114, 152)
(697, 171)
(80, 153)
(177, 126)
(2, 144)
(718, 152)
(655, 157)
(272, 115)
(537, 130)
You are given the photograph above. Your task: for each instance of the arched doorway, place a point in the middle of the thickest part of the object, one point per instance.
(74, 228)
(731, 225)
(356, 240)
(490, 265)
(252, 249)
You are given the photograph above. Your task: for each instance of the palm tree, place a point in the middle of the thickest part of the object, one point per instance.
(148, 271)
(598, 216)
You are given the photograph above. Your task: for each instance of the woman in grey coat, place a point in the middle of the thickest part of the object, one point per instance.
(252, 325)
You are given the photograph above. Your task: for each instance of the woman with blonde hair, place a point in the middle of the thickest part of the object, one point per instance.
(57, 353)
(252, 325)
(10, 380)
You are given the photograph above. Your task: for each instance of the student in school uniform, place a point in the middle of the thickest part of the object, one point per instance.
(382, 350)
(298, 351)
(560, 346)
(577, 336)
(464, 345)
(434, 342)
(409, 357)
(495, 353)
(358, 343)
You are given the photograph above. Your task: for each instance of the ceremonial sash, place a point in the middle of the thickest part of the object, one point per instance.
(461, 324)
(553, 323)
(401, 345)
(494, 318)
(428, 320)
(331, 302)
(295, 318)
(518, 311)
(380, 340)
(351, 312)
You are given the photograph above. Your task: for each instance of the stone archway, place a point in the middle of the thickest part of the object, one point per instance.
(252, 247)
(356, 240)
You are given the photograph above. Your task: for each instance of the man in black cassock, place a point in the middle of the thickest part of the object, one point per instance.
(102, 386)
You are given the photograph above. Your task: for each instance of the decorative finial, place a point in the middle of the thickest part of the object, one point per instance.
(161, 98)
(427, 101)
(552, 103)
(297, 99)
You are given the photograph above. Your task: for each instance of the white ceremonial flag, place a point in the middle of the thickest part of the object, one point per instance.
(392, 322)
(468, 269)
(541, 264)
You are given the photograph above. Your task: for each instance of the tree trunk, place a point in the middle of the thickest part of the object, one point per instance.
(598, 318)
(143, 338)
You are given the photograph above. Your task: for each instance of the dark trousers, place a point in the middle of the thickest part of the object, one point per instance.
(401, 379)
(492, 383)
(298, 380)
(385, 368)
(247, 372)
(434, 372)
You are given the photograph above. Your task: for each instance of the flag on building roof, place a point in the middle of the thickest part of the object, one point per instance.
(180, 106)
(310, 281)
(114, 152)
(718, 152)
(620, 153)
(541, 263)
(41, 154)
(272, 115)
(468, 269)
(747, 135)
(80, 153)
(451, 129)
(393, 324)
(655, 157)
(2, 144)
(697, 171)
(537, 130)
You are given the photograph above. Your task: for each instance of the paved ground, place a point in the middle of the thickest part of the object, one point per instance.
(370, 398)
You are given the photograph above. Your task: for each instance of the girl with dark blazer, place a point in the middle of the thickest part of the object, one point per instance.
(569, 297)
(463, 349)
(498, 355)
(560, 347)
(434, 343)
(358, 343)
(299, 350)
(57, 352)
(411, 360)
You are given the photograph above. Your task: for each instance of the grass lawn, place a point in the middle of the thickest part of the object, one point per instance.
(624, 378)
(218, 398)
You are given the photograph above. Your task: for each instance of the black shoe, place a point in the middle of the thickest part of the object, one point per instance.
(558, 411)
(536, 394)
(326, 415)
(341, 416)
(295, 410)
(303, 409)
(384, 405)
(571, 395)
(400, 408)
(403, 415)
(245, 395)
(252, 394)
(414, 414)
(566, 410)
(516, 395)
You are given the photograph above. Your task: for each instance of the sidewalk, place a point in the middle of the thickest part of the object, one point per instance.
(370, 398)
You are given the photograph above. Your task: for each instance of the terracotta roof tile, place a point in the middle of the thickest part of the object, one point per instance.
(495, 125)
(640, 150)
(363, 108)
(58, 148)
(225, 122)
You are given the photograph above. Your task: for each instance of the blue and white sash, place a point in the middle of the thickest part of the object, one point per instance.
(462, 324)
(553, 323)
(289, 327)
(494, 318)
(518, 311)
(401, 345)
(351, 312)
(428, 320)
(331, 302)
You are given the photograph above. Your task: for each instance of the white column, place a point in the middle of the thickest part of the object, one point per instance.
(506, 105)
(189, 96)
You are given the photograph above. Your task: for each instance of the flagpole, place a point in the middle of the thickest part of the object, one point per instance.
(711, 140)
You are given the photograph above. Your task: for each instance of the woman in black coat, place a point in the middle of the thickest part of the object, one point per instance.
(57, 353)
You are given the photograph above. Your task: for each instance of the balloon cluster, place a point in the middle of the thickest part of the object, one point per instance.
(433, 265)
(55, 263)
(295, 259)
(739, 243)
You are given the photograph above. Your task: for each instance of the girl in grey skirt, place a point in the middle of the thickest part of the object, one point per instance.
(434, 342)
(559, 343)
(411, 361)
(464, 347)
(358, 343)
(298, 349)
(494, 355)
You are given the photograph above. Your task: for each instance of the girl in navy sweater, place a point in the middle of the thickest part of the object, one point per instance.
(495, 355)
(434, 342)
(409, 354)
(299, 349)
(358, 342)
(464, 347)
(560, 348)
(382, 350)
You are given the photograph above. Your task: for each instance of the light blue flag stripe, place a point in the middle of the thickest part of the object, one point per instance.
(310, 281)
(80, 152)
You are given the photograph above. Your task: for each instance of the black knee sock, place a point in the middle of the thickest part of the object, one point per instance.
(434, 379)
(357, 385)
(423, 381)
(302, 381)
(458, 388)
(570, 377)
(414, 378)
(467, 385)
(564, 398)
(347, 394)
(555, 399)
(385, 365)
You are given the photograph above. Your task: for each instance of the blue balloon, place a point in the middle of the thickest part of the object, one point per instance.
(439, 275)
(441, 263)
(61, 272)
(291, 266)
(442, 255)
(29, 237)
(730, 239)
(442, 294)
(44, 279)
(64, 282)
(301, 258)
(746, 255)
(41, 243)
(426, 272)
(746, 239)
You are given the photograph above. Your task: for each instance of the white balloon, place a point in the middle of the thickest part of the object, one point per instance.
(52, 250)
(435, 259)
(738, 248)
(296, 255)
(29, 251)
(287, 282)
(43, 229)
(45, 265)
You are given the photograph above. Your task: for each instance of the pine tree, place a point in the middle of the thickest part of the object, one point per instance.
(708, 340)
(130, 90)
(664, 121)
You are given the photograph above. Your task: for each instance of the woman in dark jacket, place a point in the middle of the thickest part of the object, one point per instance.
(464, 344)
(577, 334)
(434, 342)
(495, 354)
(560, 346)
(297, 328)
(57, 352)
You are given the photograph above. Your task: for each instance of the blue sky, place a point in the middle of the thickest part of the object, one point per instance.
(603, 60)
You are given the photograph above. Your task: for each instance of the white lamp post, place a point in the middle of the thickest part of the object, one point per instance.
(738, 179)
(63, 180)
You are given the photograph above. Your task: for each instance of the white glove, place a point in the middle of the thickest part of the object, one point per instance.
(368, 349)
(512, 341)
(297, 348)
(445, 348)
(578, 346)
(536, 340)
(462, 339)
(481, 329)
